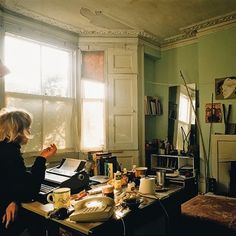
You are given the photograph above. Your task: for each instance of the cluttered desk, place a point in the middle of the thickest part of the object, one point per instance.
(103, 207)
(125, 217)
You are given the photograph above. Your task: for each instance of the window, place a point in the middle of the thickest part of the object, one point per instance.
(92, 101)
(41, 83)
(186, 117)
(184, 107)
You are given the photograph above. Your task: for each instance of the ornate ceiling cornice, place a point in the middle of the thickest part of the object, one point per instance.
(121, 33)
(38, 17)
(231, 17)
(186, 34)
(191, 32)
(83, 33)
(149, 37)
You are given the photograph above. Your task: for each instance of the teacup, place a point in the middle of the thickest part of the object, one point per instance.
(60, 198)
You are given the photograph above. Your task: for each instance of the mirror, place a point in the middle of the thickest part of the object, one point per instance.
(181, 119)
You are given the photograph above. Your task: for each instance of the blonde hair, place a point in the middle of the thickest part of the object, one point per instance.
(15, 125)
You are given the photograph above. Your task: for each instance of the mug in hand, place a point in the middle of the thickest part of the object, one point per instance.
(60, 198)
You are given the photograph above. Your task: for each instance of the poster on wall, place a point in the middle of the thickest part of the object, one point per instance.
(213, 113)
(225, 88)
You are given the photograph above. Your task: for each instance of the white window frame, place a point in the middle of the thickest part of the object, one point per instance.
(51, 37)
(179, 142)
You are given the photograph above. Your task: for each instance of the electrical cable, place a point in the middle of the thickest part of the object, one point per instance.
(166, 217)
(123, 223)
(120, 215)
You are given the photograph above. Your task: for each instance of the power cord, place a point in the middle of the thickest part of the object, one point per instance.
(123, 223)
(166, 217)
(119, 215)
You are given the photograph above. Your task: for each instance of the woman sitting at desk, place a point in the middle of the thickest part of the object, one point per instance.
(17, 185)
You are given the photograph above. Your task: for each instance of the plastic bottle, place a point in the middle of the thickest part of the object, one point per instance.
(118, 181)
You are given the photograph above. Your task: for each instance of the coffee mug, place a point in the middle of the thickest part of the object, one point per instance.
(107, 191)
(147, 186)
(60, 198)
(140, 171)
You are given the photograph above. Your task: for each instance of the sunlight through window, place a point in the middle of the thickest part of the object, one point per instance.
(40, 82)
(92, 101)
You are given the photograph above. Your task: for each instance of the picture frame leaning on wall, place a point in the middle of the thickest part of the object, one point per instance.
(213, 113)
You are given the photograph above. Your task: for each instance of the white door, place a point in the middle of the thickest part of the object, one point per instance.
(123, 133)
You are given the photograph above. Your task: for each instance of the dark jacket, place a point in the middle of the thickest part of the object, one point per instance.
(16, 184)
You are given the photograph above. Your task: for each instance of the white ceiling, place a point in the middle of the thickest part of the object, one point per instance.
(161, 18)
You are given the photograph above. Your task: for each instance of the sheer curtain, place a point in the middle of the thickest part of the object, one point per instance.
(42, 81)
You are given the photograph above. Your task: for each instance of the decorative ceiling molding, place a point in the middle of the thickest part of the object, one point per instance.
(122, 33)
(225, 19)
(149, 37)
(179, 38)
(99, 19)
(14, 9)
(186, 34)
(191, 32)
(84, 33)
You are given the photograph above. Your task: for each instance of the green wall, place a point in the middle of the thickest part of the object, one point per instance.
(217, 59)
(209, 57)
(168, 74)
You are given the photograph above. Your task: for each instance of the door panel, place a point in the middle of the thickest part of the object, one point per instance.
(123, 112)
(122, 60)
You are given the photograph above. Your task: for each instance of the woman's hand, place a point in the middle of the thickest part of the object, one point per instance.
(49, 151)
(10, 214)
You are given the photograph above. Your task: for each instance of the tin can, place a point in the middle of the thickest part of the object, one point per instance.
(160, 177)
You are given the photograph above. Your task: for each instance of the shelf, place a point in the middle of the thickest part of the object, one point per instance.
(150, 115)
(174, 156)
(152, 106)
(183, 164)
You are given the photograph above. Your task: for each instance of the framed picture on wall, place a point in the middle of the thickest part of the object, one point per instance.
(225, 88)
(213, 113)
